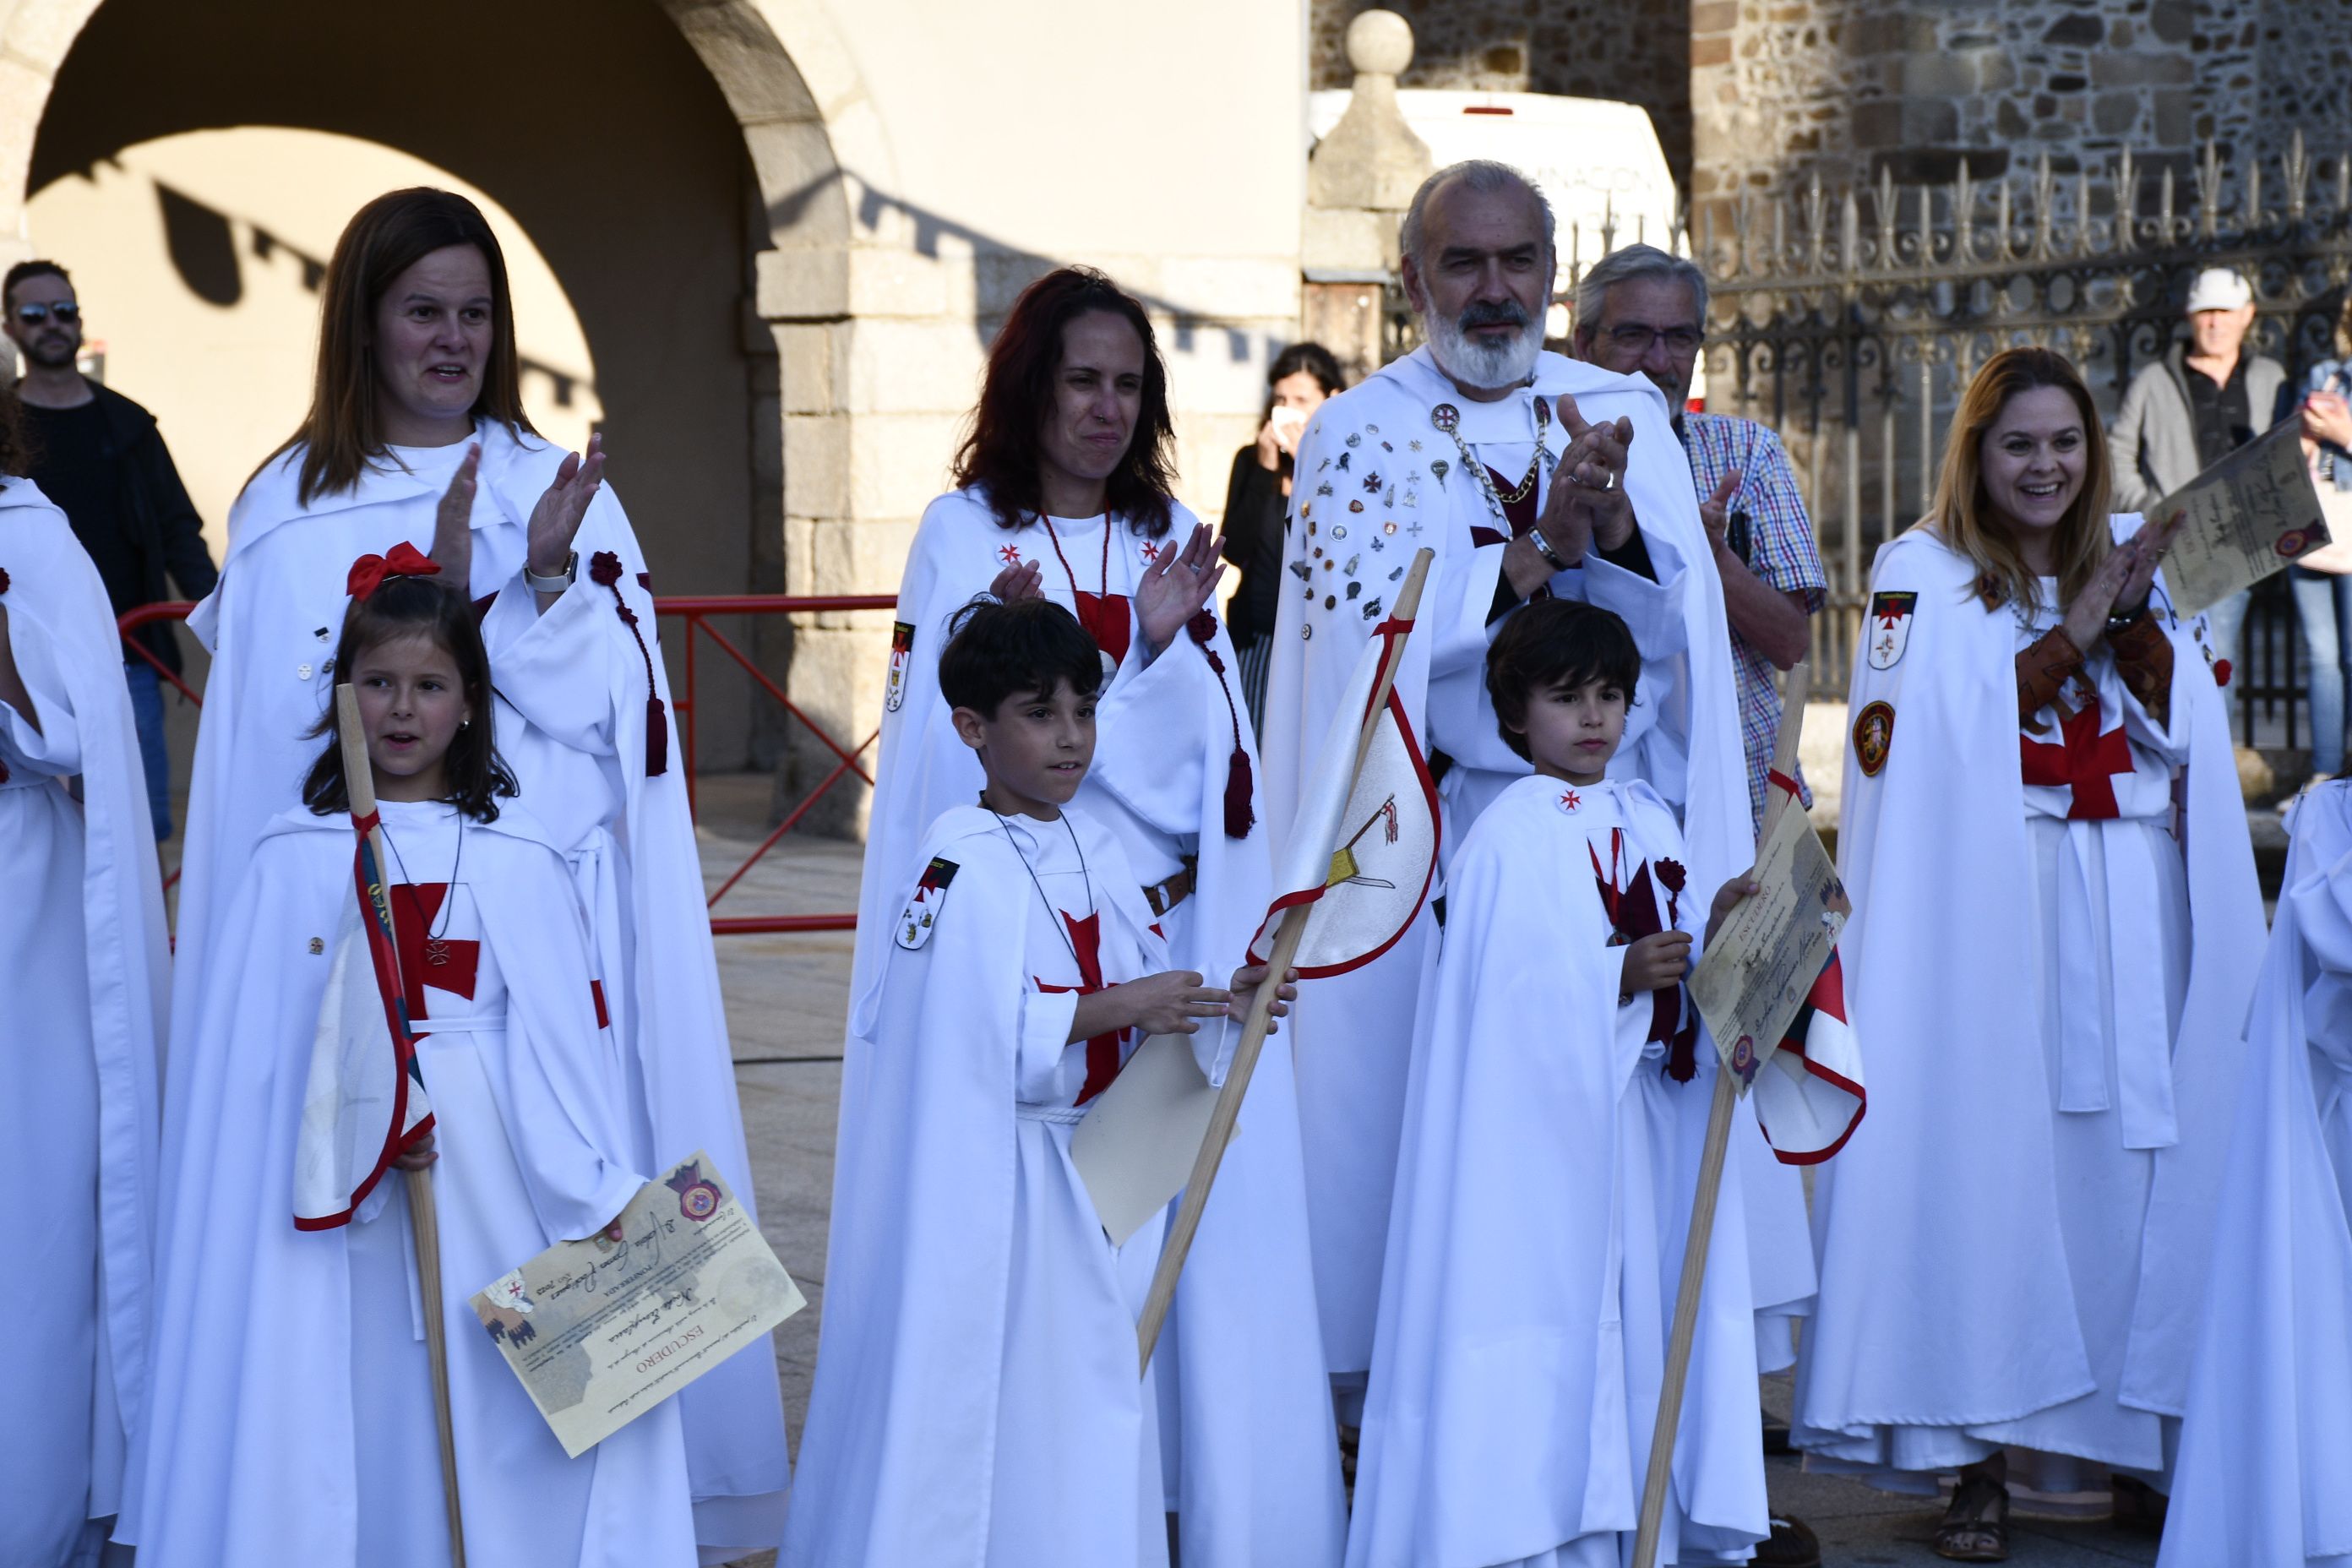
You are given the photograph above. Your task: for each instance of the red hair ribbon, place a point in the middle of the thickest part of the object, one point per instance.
(1239, 818)
(402, 559)
(605, 571)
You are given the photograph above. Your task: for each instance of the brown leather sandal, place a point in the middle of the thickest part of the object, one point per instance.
(1975, 1528)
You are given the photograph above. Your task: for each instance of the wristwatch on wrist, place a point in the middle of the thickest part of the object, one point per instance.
(1544, 549)
(557, 583)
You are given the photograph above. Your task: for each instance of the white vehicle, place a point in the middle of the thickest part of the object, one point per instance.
(1598, 163)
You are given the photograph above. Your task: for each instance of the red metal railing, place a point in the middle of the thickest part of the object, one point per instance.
(695, 610)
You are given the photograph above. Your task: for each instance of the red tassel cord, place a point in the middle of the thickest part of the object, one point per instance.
(605, 570)
(1239, 784)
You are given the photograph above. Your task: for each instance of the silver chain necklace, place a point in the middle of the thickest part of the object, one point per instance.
(1448, 419)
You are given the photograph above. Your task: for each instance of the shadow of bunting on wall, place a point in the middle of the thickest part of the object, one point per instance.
(201, 240)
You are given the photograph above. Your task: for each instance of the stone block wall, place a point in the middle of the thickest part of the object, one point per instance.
(1627, 53)
(1781, 89)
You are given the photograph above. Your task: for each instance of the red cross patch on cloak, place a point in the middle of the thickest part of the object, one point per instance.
(425, 960)
(2085, 763)
(1102, 1051)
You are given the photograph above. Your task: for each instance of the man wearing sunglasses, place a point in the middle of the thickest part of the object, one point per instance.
(99, 456)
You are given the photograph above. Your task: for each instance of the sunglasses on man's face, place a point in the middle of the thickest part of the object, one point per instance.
(65, 311)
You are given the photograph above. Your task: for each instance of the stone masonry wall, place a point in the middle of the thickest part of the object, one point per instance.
(1780, 88)
(1629, 52)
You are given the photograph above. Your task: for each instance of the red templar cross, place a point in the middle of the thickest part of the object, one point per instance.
(1102, 1051)
(414, 909)
(2088, 761)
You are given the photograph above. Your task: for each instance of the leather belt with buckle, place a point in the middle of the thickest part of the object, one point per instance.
(1165, 896)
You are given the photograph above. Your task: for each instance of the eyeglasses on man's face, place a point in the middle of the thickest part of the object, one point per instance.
(65, 311)
(1635, 338)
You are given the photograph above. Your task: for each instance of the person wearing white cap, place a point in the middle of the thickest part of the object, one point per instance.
(2188, 410)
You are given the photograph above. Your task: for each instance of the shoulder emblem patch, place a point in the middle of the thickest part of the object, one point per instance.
(1890, 627)
(923, 910)
(1874, 734)
(902, 650)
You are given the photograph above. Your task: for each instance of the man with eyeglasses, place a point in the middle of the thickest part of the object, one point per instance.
(1642, 312)
(99, 457)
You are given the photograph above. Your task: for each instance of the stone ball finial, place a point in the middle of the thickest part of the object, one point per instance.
(1380, 43)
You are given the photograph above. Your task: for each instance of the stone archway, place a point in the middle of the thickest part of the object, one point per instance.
(714, 285)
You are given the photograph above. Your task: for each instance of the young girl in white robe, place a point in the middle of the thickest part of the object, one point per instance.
(977, 1397)
(83, 956)
(293, 1416)
(1554, 1123)
(2056, 931)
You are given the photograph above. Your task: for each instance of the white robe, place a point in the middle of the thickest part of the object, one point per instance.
(1543, 1198)
(2268, 1425)
(81, 924)
(574, 736)
(292, 1418)
(1254, 1473)
(2013, 1243)
(1374, 447)
(977, 1402)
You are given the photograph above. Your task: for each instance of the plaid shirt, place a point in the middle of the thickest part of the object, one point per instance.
(1780, 551)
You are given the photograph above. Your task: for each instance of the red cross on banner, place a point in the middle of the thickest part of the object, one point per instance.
(1102, 1051)
(2086, 763)
(1104, 617)
(414, 908)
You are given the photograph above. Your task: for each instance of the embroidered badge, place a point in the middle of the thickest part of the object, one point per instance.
(1890, 627)
(698, 1199)
(1874, 732)
(923, 910)
(1009, 553)
(902, 649)
(1570, 802)
(1150, 550)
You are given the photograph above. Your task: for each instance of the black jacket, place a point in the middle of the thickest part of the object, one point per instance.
(166, 535)
(1256, 516)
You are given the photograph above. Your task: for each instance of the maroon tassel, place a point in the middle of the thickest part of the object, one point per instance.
(1239, 787)
(605, 571)
(1239, 818)
(656, 736)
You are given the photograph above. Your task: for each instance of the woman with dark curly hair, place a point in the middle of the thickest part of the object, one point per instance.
(81, 924)
(1066, 492)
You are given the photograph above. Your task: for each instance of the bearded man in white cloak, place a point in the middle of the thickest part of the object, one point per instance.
(1529, 475)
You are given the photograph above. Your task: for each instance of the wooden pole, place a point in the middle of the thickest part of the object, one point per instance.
(423, 1219)
(1796, 693)
(1286, 937)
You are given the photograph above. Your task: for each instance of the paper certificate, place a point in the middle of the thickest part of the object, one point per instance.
(1135, 1148)
(1754, 975)
(603, 1330)
(2247, 517)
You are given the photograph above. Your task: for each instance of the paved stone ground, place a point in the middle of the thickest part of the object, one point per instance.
(786, 999)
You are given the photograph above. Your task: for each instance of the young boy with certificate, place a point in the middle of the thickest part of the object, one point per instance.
(977, 1396)
(293, 1408)
(1552, 1135)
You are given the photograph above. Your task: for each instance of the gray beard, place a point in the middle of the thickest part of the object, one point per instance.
(1475, 365)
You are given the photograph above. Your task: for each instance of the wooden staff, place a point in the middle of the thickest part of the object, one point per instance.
(1796, 691)
(1286, 937)
(424, 1220)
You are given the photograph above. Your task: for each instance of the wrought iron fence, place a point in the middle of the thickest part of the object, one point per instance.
(1851, 319)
